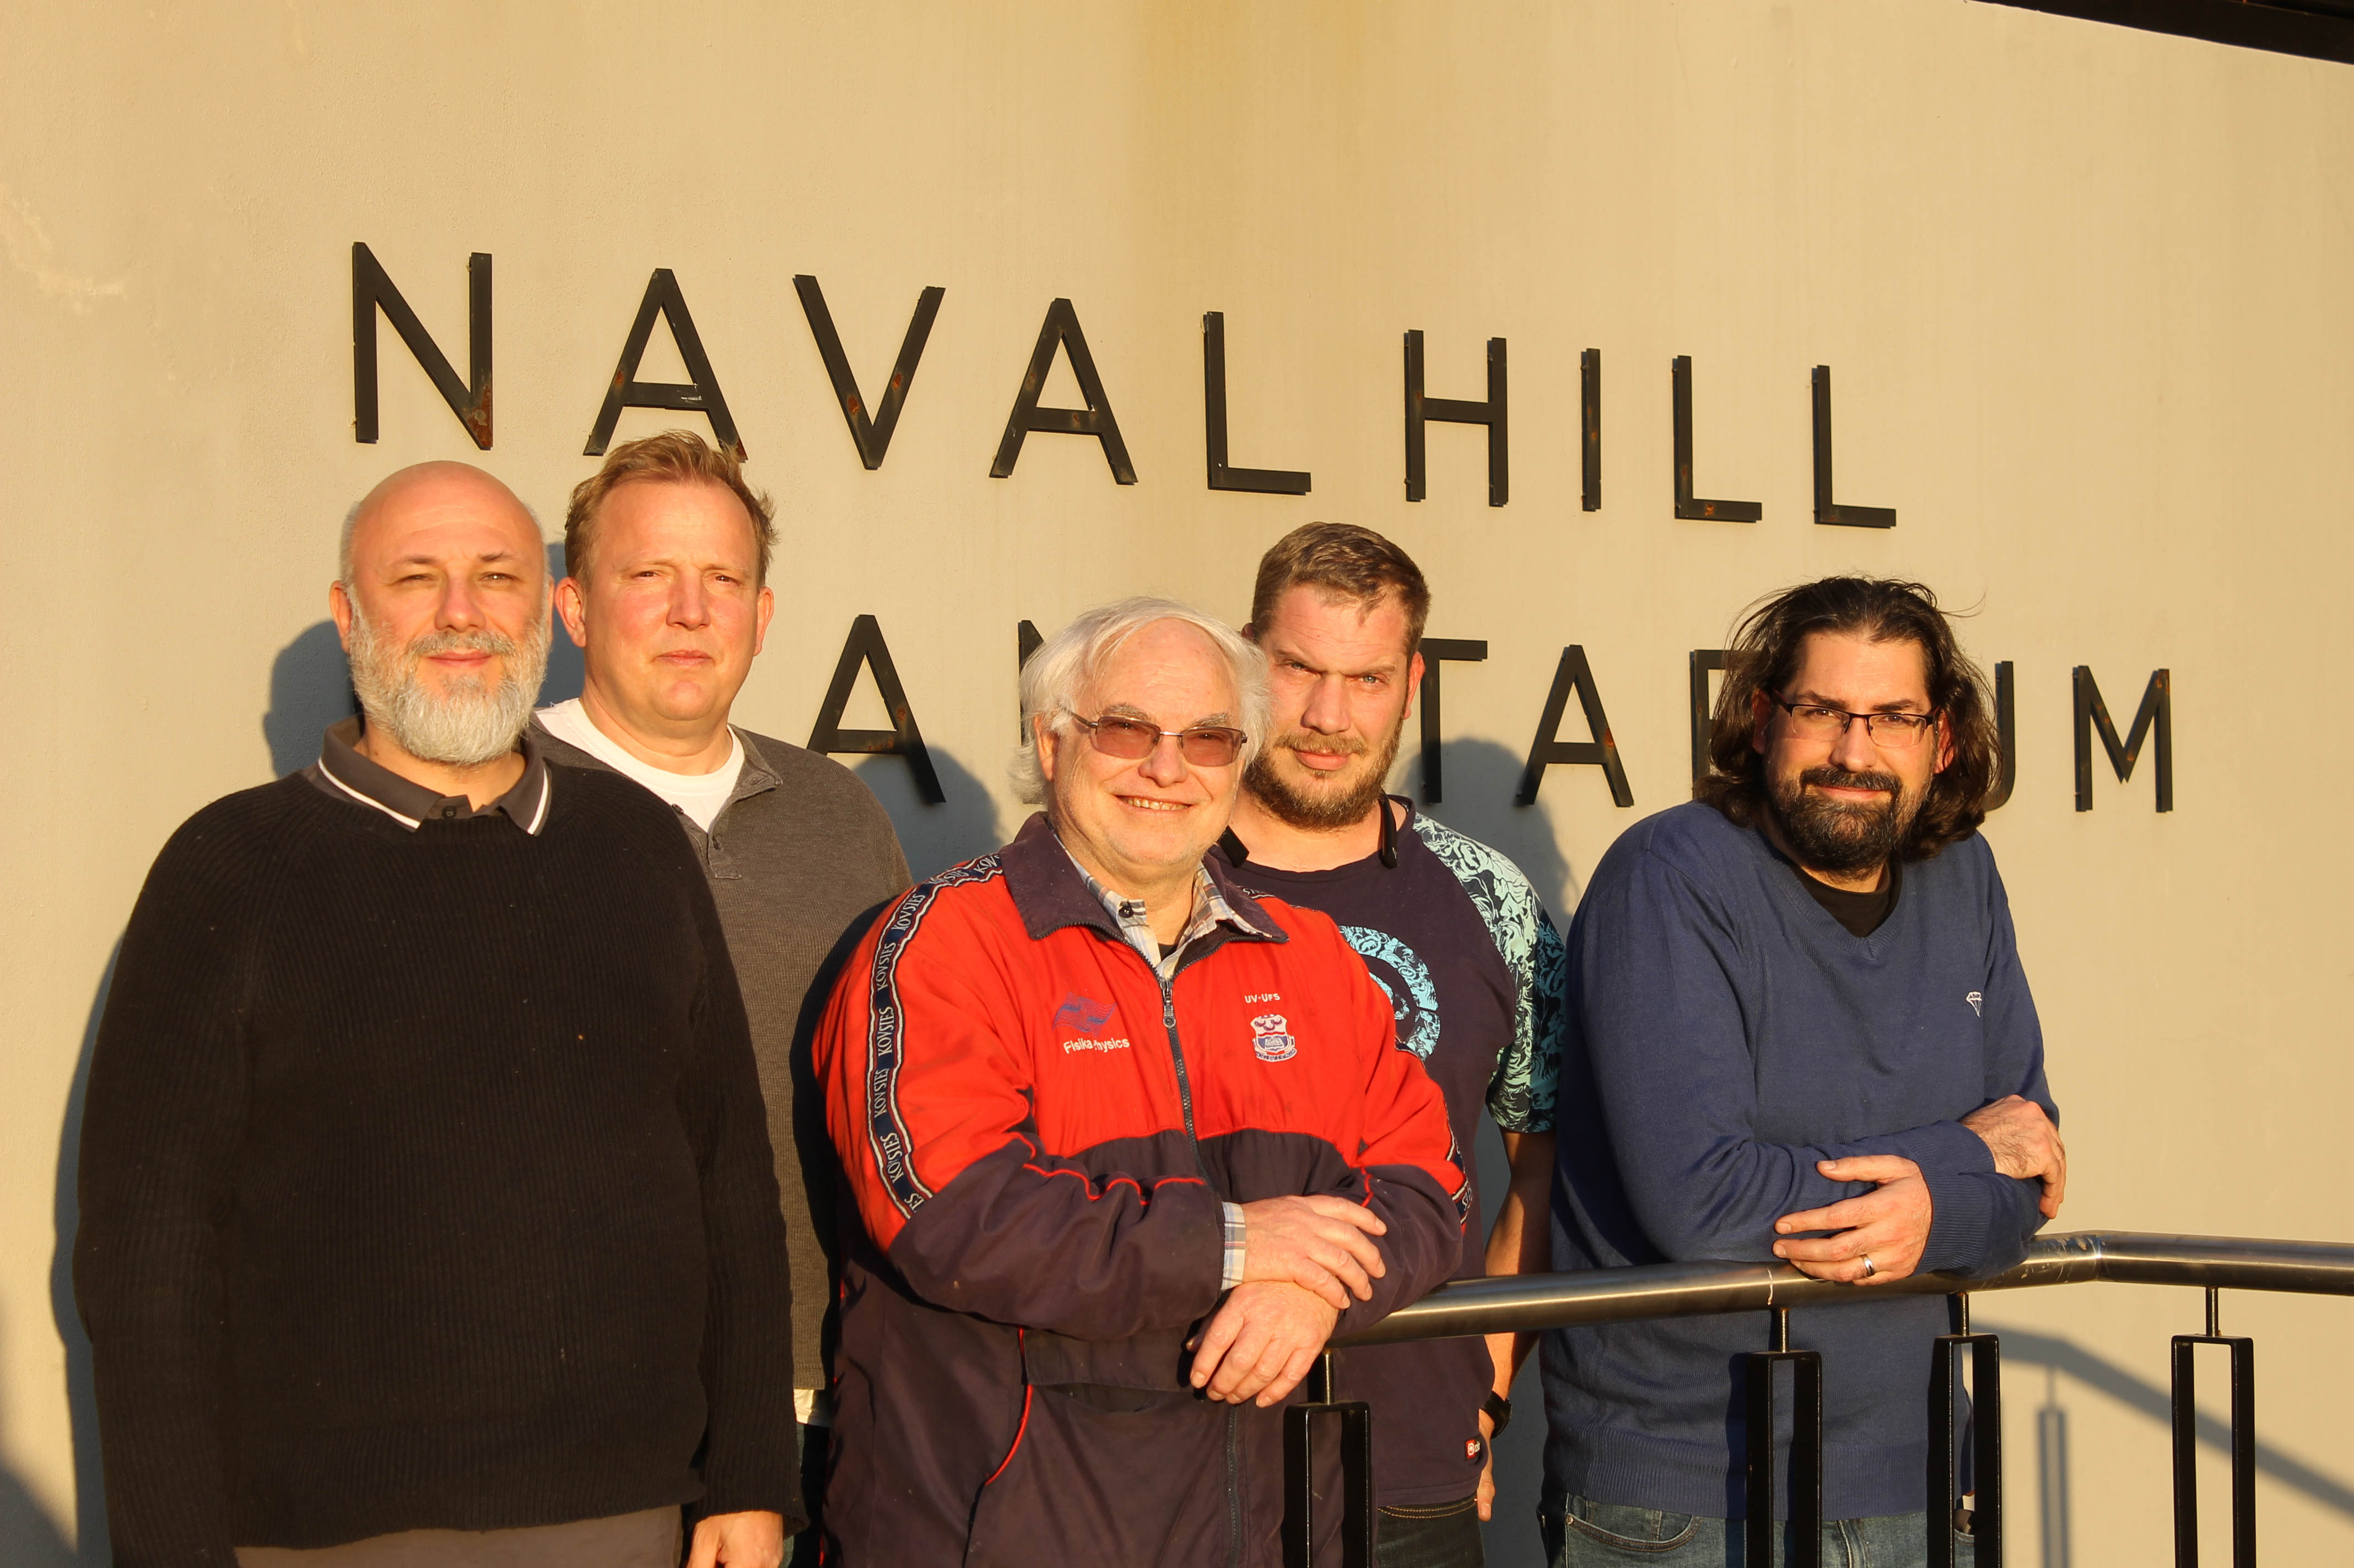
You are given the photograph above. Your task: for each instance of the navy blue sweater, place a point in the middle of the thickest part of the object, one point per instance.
(1725, 1033)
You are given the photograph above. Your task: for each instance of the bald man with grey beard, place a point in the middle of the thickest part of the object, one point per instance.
(427, 1205)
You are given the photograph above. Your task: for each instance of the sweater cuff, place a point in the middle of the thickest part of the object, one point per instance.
(1961, 1219)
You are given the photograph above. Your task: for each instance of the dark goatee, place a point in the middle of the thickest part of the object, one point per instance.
(1845, 838)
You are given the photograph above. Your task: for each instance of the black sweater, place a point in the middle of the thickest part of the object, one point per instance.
(425, 1182)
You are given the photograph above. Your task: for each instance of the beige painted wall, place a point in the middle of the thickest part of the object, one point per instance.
(2084, 290)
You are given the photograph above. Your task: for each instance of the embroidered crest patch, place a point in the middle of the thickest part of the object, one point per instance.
(1271, 1039)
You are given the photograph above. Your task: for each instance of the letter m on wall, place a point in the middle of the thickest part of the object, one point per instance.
(373, 289)
(2157, 711)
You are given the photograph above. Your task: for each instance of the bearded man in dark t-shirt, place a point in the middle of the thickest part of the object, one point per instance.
(1455, 935)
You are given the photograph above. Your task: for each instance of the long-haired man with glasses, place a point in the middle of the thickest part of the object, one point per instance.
(1127, 1145)
(1799, 1030)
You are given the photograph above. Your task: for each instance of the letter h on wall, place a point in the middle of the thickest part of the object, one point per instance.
(1420, 408)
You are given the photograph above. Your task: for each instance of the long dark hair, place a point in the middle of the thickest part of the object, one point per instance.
(1766, 648)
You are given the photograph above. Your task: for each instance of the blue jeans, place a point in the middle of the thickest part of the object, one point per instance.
(1583, 1534)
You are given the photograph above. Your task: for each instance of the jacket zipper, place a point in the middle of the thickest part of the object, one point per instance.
(1234, 1486)
(1177, 1055)
(1234, 1417)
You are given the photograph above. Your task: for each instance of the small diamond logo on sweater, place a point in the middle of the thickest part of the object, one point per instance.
(1270, 1038)
(1976, 1002)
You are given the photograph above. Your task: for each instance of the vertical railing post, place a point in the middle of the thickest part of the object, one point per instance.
(2186, 1441)
(1984, 1413)
(1805, 1449)
(1356, 1476)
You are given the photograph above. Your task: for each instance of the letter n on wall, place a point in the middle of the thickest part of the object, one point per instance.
(866, 646)
(373, 289)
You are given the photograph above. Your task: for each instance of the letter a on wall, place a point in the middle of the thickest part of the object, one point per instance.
(1061, 329)
(866, 646)
(1574, 675)
(701, 396)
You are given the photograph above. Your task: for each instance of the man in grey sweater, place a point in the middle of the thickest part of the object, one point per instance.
(667, 554)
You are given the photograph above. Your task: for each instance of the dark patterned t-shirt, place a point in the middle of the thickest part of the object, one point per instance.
(1473, 967)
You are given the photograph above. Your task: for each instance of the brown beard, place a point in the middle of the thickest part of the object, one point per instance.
(1844, 839)
(1321, 811)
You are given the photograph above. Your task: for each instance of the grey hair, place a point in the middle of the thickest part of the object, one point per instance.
(344, 547)
(1058, 674)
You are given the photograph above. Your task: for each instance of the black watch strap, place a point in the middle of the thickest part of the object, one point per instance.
(1499, 1411)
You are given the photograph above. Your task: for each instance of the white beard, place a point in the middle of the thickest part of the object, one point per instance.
(471, 723)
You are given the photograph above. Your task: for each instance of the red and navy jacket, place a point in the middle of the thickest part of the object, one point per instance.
(1038, 1135)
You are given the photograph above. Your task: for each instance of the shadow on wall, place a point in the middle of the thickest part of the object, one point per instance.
(309, 688)
(566, 673)
(27, 1535)
(2103, 1376)
(28, 1538)
(934, 837)
(1481, 777)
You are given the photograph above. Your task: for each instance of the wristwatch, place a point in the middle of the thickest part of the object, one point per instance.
(1499, 1411)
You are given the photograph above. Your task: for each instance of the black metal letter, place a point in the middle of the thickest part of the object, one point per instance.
(866, 646)
(872, 437)
(372, 289)
(1703, 659)
(701, 396)
(1061, 329)
(1457, 411)
(1827, 511)
(1224, 476)
(1589, 411)
(2006, 726)
(2093, 713)
(1434, 651)
(1026, 642)
(1687, 506)
(1574, 674)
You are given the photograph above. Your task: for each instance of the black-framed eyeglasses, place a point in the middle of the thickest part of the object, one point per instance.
(1893, 731)
(1203, 746)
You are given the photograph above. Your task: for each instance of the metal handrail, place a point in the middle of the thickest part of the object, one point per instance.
(1517, 1303)
(1511, 1303)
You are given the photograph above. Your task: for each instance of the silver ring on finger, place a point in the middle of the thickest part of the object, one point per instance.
(1868, 1269)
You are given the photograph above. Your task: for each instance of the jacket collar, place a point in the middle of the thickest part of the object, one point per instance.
(1051, 893)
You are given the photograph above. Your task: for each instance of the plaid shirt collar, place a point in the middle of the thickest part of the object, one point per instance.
(1210, 911)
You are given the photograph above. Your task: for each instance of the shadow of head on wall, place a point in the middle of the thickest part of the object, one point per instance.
(1481, 777)
(309, 688)
(565, 672)
(933, 837)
